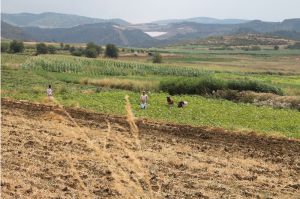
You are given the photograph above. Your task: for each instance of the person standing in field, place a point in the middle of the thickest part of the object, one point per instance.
(170, 101)
(50, 93)
(144, 100)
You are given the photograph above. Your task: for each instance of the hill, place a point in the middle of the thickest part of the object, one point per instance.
(191, 31)
(53, 20)
(203, 20)
(11, 32)
(100, 33)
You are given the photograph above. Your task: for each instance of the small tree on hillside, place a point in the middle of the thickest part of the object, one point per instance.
(276, 47)
(41, 48)
(16, 46)
(157, 58)
(111, 51)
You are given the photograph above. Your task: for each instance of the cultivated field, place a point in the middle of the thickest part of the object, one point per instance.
(52, 152)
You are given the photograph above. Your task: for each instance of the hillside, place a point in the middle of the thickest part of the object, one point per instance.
(190, 30)
(100, 33)
(11, 32)
(77, 29)
(53, 20)
(203, 20)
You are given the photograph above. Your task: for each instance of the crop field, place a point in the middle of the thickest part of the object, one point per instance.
(77, 83)
(94, 141)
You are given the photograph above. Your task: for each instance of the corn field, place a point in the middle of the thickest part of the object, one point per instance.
(95, 67)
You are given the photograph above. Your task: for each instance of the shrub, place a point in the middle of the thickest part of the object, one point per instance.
(92, 50)
(41, 48)
(16, 46)
(244, 85)
(207, 85)
(199, 86)
(91, 53)
(111, 51)
(276, 47)
(4, 47)
(157, 58)
(52, 49)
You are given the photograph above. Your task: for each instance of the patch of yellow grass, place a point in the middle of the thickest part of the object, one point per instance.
(125, 84)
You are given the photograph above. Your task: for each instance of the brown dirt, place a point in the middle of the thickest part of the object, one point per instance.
(48, 152)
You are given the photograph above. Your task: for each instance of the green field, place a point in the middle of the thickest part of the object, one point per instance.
(26, 77)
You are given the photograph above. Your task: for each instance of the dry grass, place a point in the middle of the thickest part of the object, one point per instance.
(124, 84)
(261, 99)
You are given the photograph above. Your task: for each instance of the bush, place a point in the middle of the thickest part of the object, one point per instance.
(157, 58)
(77, 52)
(91, 53)
(243, 85)
(16, 46)
(208, 85)
(199, 86)
(67, 47)
(276, 47)
(92, 50)
(111, 51)
(4, 47)
(41, 48)
(52, 49)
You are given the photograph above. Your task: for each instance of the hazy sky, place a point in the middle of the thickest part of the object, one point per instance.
(137, 11)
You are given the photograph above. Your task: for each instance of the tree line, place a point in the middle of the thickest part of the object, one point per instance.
(91, 50)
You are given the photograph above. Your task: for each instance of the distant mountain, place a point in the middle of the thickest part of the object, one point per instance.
(53, 20)
(202, 20)
(190, 30)
(77, 29)
(11, 32)
(100, 33)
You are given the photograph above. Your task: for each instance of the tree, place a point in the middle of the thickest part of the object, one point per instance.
(4, 47)
(62, 45)
(91, 52)
(111, 51)
(52, 49)
(41, 48)
(92, 45)
(157, 58)
(276, 47)
(66, 47)
(16, 46)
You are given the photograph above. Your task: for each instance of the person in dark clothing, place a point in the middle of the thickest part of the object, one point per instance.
(182, 104)
(170, 101)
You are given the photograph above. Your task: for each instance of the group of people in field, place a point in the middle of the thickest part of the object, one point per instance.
(143, 99)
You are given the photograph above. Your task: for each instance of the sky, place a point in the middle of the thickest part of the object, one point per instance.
(141, 11)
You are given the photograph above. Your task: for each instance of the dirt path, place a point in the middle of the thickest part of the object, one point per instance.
(47, 155)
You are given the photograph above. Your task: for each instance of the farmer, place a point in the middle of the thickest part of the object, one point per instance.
(144, 99)
(182, 104)
(170, 101)
(50, 93)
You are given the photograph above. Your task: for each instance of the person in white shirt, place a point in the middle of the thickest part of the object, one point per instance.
(144, 100)
(50, 93)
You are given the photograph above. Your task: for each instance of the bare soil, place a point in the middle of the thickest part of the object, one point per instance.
(51, 152)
